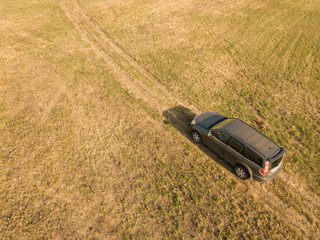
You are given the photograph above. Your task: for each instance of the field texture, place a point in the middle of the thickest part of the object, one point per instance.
(96, 97)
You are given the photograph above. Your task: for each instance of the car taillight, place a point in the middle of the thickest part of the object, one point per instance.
(264, 170)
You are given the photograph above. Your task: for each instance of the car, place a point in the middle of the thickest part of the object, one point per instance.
(250, 152)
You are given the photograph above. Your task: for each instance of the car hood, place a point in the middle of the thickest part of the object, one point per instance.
(209, 119)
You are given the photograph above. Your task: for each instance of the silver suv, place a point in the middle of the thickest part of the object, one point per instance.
(251, 153)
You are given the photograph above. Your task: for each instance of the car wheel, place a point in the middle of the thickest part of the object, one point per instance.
(196, 137)
(241, 172)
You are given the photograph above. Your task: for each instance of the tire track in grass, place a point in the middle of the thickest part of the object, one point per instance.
(122, 64)
(140, 82)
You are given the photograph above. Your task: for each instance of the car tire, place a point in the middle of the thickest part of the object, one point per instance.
(241, 172)
(196, 137)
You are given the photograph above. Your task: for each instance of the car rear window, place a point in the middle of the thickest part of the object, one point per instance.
(276, 162)
(253, 157)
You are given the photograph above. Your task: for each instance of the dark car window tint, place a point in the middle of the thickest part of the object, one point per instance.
(215, 134)
(221, 136)
(236, 145)
(253, 157)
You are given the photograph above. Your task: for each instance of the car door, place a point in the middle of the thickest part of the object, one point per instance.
(218, 142)
(234, 153)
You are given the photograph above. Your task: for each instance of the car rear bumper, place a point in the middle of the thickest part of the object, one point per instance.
(264, 178)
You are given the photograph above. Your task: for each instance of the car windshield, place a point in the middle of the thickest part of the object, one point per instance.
(223, 123)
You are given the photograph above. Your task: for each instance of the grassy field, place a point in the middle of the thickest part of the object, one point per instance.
(256, 60)
(85, 153)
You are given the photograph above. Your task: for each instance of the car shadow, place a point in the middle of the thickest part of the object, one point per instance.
(180, 118)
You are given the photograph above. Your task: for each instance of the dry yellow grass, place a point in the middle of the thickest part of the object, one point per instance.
(85, 152)
(255, 60)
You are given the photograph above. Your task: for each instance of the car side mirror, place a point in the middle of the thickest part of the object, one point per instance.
(209, 134)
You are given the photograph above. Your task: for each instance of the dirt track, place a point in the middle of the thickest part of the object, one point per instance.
(144, 85)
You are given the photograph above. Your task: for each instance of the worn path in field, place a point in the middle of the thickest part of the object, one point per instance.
(154, 93)
(140, 82)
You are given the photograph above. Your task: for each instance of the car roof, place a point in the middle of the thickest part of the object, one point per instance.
(252, 137)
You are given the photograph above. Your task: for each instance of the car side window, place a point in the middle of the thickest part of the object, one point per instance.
(222, 137)
(253, 156)
(237, 146)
